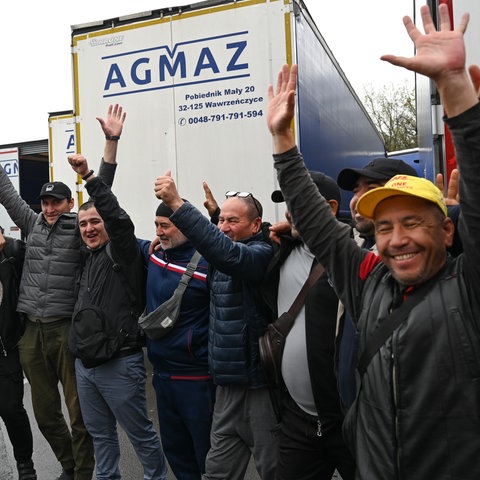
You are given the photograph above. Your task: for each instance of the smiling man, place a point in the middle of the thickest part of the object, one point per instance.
(92, 228)
(56, 198)
(46, 299)
(240, 218)
(183, 386)
(244, 422)
(417, 409)
(112, 282)
(411, 234)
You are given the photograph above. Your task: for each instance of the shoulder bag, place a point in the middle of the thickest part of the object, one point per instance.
(160, 321)
(272, 343)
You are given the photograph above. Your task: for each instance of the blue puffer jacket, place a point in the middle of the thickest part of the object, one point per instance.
(238, 314)
(183, 351)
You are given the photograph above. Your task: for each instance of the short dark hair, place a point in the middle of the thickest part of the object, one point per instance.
(255, 208)
(86, 205)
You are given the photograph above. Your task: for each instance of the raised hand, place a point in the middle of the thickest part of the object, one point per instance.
(451, 195)
(79, 164)
(166, 190)
(437, 52)
(113, 125)
(210, 203)
(440, 55)
(281, 109)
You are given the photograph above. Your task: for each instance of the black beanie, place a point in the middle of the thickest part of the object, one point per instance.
(163, 211)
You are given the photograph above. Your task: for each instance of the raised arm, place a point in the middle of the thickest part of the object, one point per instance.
(79, 165)
(327, 238)
(440, 55)
(233, 258)
(112, 127)
(166, 190)
(118, 224)
(210, 203)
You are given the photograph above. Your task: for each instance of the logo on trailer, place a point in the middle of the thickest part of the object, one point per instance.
(191, 62)
(10, 168)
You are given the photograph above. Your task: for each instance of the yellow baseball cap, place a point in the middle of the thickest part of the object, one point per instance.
(400, 185)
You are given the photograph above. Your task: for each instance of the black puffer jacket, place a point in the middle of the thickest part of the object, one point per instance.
(104, 285)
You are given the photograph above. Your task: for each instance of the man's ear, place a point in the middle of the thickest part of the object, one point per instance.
(449, 229)
(334, 205)
(71, 203)
(257, 225)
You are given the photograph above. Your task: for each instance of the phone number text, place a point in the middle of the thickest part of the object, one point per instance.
(220, 117)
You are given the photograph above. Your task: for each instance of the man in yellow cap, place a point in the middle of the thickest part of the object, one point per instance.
(412, 232)
(417, 411)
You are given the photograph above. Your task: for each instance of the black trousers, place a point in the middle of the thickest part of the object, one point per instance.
(303, 454)
(12, 410)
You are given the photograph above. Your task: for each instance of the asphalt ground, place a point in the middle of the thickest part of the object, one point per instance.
(46, 464)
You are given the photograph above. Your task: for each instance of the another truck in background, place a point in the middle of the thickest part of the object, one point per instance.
(62, 142)
(26, 164)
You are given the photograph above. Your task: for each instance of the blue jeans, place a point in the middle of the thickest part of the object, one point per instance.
(115, 391)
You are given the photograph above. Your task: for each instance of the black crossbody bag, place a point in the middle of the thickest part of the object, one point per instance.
(272, 343)
(161, 321)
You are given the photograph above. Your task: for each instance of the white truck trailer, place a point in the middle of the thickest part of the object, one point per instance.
(193, 80)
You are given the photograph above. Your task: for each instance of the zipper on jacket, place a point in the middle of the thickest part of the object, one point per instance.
(319, 428)
(88, 268)
(4, 350)
(395, 404)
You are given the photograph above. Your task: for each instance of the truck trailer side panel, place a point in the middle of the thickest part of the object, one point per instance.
(193, 81)
(335, 131)
(62, 138)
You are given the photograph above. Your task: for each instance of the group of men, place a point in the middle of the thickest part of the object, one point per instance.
(416, 412)
(393, 314)
(46, 299)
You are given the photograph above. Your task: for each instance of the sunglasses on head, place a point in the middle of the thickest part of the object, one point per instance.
(232, 193)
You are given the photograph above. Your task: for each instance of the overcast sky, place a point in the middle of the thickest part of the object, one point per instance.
(36, 79)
